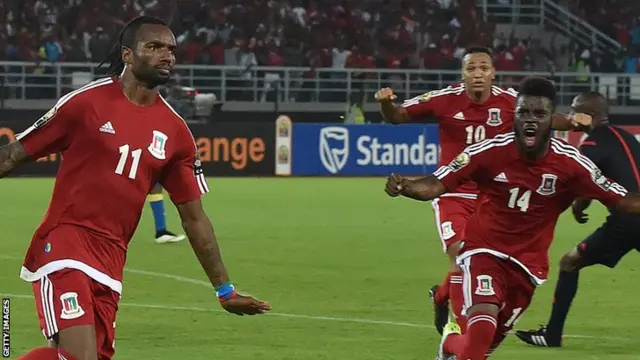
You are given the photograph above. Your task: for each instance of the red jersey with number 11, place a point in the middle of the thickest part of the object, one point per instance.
(462, 122)
(113, 152)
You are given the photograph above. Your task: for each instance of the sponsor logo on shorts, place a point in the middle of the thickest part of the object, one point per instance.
(485, 285)
(71, 308)
(447, 230)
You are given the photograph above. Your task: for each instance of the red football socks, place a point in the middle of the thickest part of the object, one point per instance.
(476, 343)
(47, 353)
(456, 298)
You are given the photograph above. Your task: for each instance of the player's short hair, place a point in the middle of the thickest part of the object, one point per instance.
(601, 102)
(127, 38)
(478, 50)
(538, 86)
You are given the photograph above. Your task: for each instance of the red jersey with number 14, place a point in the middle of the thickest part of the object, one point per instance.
(521, 199)
(462, 122)
(113, 152)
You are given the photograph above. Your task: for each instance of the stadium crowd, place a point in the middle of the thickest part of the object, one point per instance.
(327, 34)
(323, 34)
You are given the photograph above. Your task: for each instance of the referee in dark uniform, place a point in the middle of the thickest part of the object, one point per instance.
(617, 153)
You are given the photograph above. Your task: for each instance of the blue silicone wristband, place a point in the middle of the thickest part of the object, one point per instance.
(225, 290)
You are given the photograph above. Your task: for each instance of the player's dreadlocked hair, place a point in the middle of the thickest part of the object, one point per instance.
(538, 86)
(128, 38)
(478, 50)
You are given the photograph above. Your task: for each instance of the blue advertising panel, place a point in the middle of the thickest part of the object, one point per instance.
(364, 150)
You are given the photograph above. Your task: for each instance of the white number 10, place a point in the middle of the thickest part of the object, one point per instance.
(475, 135)
(124, 155)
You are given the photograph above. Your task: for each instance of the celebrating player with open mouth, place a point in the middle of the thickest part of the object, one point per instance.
(617, 153)
(526, 180)
(467, 113)
(118, 137)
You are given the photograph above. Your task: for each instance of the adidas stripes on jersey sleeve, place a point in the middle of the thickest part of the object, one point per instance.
(52, 132)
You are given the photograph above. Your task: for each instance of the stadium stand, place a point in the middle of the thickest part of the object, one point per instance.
(323, 36)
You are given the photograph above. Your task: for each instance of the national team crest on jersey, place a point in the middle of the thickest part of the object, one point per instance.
(460, 161)
(494, 117)
(485, 285)
(548, 185)
(71, 309)
(158, 145)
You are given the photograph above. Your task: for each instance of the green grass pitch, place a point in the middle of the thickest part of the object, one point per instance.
(346, 268)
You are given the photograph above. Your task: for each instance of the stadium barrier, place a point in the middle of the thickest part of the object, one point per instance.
(355, 150)
(225, 149)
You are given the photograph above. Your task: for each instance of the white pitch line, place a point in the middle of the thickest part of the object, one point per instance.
(279, 314)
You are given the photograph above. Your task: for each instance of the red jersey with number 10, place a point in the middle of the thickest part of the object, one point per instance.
(462, 122)
(113, 152)
(521, 199)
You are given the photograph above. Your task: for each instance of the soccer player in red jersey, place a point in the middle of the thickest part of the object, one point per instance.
(118, 137)
(467, 113)
(526, 180)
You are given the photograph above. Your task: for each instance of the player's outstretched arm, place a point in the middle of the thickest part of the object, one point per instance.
(423, 189)
(11, 156)
(576, 121)
(391, 112)
(200, 232)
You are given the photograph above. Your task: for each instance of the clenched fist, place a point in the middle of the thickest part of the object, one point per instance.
(385, 95)
(395, 185)
(580, 120)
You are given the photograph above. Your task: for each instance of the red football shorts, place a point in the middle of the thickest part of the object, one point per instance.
(69, 298)
(451, 215)
(489, 279)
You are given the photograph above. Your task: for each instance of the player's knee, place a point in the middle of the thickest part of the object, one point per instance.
(79, 341)
(570, 261)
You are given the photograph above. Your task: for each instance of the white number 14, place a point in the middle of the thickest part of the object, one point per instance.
(124, 155)
(521, 201)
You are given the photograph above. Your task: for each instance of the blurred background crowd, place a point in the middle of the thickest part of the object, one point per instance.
(324, 36)
(429, 34)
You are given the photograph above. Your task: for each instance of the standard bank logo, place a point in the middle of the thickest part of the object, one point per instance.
(334, 148)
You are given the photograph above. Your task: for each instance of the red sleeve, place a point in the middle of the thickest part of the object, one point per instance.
(591, 183)
(467, 166)
(52, 132)
(428, 104)
(183, 177)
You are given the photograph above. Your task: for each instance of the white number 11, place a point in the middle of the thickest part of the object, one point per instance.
(124, 155)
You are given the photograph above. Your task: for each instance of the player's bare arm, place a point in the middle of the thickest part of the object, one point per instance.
(629, 204)
(391, 112)
(576, 121)
(199, 230)
(578, 207)
(11, 156)
(423, 189)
